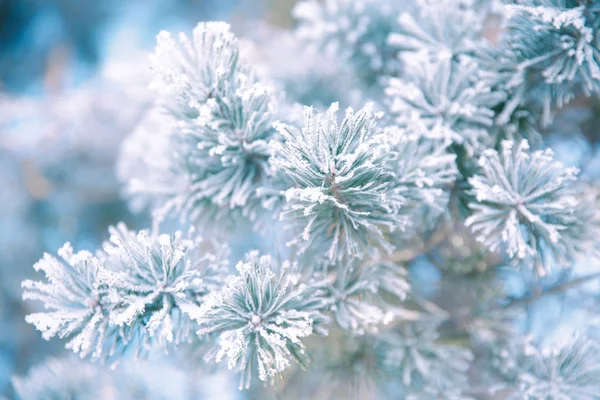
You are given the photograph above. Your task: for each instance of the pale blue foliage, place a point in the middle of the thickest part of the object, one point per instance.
(139, 291)
(357, 182)
(159, 280)
(439, 30)
(445, 100)
(304, 73)
(146, 165)
(261, 315)
(414, 354)
(521, 124)
(223, 115)
(565, 371)
(555, 47)
(61, 379)
(524, 205)
(425, 175)
(70, 378)
(73, 295)
(354, 30)
(363, 298)
(344, 195)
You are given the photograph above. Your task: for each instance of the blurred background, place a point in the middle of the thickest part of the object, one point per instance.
(73, 84)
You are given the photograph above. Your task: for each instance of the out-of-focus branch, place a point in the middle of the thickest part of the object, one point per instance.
(409, 254)
(563, 287)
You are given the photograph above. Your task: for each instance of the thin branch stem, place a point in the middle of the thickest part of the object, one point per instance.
(410, 254)
(555, 290)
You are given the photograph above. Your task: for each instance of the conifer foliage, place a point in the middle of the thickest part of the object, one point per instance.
(351, 208)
